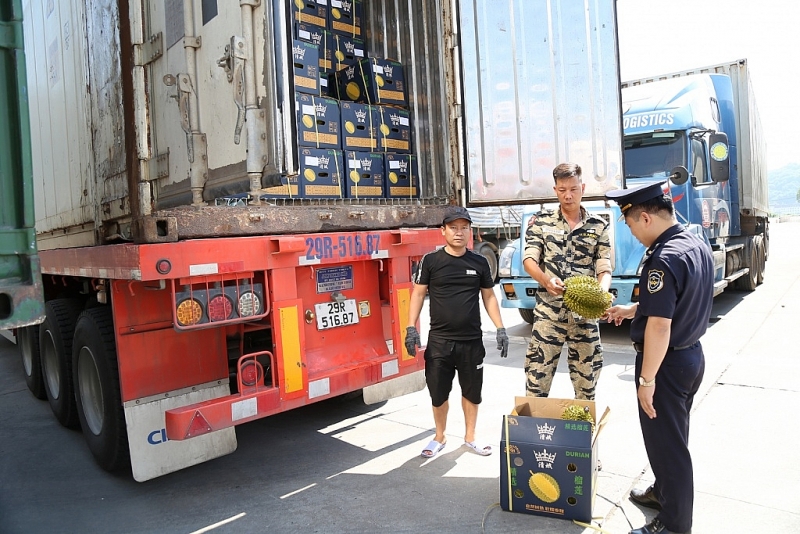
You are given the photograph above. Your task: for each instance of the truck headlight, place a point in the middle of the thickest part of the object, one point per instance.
(504, 264)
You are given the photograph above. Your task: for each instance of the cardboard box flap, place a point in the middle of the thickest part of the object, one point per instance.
(600, 424)
(547, 407)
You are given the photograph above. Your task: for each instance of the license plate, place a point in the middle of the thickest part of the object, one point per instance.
(335, 314)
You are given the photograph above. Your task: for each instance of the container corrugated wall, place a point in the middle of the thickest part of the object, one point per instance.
(60, 114)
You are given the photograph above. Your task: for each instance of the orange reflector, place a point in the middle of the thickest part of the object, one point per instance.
(189, 312)
(219, 308)
(198, 426)
(509, 290)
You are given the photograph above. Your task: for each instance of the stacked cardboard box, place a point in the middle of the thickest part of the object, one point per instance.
(373, 81)
(402, 175)
(364, 174)
(318, 121)
(306, 67)
(344, 17)
(350, 107)
(321, 172)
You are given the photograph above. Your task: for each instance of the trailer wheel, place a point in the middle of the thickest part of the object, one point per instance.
(527, 315)
(761, 255)
(749, 281)
(96, 377)
(488, 251)
(28, 342)
(55, 342)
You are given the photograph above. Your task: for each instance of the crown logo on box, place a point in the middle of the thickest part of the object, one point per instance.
(321, 109)
(546, 431)
(323, 162)
(316, 37)
(387, 70)
(299, 52)
(350, 72)
(349, 46)
(403, 164)
(347, 5)
(544, 456)
(366, 164)
(361, 115)
(395, 119)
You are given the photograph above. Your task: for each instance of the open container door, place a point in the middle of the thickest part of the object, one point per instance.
(541, 87)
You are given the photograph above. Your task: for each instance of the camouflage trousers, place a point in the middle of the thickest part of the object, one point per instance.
(584, 355)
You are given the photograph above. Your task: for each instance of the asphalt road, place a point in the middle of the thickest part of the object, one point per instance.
(342, 466)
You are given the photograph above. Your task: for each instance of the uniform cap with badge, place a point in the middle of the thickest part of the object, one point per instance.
(627, 198)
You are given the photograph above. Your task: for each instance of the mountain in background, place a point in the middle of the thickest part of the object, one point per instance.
(784, 184)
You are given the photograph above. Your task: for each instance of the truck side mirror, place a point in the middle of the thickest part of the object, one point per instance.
(678, 175)
(719, 152)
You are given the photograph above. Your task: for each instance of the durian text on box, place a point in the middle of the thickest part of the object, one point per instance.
(548, 465)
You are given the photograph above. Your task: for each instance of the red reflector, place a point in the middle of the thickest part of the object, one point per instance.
(198, 426)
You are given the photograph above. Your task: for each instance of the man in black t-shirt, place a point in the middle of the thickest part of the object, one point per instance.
(453, 276)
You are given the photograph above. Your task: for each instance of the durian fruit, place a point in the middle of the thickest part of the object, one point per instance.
(544, 486)
(578, 413)
(585, 296)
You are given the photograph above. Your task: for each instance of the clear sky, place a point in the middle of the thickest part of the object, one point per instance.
(661, 36)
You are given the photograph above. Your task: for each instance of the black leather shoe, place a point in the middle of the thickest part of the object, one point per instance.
(655, 527)
(645, 498)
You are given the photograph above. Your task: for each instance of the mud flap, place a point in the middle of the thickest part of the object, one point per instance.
(152, 454)
(395, 387)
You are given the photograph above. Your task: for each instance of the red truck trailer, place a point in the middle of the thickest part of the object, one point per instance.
(231, 200)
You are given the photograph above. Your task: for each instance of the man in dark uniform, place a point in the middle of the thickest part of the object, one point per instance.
(453, 277)
(676, 290)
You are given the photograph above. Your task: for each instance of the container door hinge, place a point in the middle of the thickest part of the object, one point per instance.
(232, 62)
(149, 51)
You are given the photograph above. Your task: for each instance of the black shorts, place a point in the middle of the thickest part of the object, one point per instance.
(443, 358)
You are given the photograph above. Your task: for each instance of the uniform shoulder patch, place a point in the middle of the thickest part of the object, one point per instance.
(655, 280)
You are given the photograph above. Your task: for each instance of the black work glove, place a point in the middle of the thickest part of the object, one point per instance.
(502, 342)
(412, 340)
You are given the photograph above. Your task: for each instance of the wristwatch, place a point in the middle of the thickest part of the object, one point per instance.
(647, 383)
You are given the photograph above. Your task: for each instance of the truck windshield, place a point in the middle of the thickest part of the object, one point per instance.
(654, 154)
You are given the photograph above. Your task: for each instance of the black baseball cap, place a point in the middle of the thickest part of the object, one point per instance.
(627, 198)
(454, 213)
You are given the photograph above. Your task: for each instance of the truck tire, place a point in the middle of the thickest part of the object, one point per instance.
(28, 343)
(97, 391)
(761, 254)
(527, 315)
(490, 253)
(55, 343)
(749, 281)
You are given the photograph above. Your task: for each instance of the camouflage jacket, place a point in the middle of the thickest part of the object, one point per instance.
(561, 252)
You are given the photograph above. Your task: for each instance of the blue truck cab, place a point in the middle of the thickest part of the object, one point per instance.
(699, 132)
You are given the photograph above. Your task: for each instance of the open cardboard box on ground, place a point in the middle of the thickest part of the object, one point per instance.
(548, 465)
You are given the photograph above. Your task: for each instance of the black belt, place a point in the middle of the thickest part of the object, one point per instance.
(639, 347)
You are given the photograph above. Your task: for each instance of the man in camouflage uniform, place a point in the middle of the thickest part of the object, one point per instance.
(567, 241)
